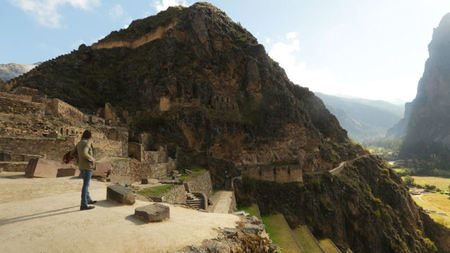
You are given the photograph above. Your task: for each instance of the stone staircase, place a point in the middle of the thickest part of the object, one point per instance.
(194, 201)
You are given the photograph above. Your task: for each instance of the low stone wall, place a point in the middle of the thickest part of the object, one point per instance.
(62, 109)
(176, 195)
(201, 184)
(279, 174)
(9, 105)
(52, 148)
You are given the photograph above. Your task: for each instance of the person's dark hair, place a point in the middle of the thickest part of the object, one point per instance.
(86, 135)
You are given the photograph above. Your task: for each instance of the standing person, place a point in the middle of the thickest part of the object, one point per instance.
(86, 163)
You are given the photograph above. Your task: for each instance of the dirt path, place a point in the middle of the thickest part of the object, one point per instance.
(222, 202)
(42, 215)
(341, 166)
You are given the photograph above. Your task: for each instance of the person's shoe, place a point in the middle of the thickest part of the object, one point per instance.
(92, 202)
(82, 208)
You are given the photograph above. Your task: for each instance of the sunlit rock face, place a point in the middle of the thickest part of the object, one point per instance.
(428, 131)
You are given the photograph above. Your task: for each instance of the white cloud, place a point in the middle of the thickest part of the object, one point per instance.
(46, 11)
(116, 11)
(291, 35)
(287, 53)
(162, 5)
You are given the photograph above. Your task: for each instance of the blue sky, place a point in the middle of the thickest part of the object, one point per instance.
(361, 48)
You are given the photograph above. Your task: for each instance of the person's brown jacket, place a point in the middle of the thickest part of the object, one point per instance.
(85, 153)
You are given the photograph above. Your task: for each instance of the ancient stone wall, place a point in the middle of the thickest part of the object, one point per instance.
(200, 183)
(9, 105)
(62, 109)
(117, 134)
(279, 174)
(53, 148)
(176, 195)
(107, 148)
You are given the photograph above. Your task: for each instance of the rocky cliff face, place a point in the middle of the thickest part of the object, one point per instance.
(195, 79)
(12, 70)
(196, 82)
(428, 132)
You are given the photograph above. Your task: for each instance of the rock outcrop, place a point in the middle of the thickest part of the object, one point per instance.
(428, 133)
(192, 80)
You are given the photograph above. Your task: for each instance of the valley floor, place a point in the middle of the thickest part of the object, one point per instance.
(436, 205)
(42, 215)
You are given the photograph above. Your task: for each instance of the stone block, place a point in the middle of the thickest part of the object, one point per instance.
(67, 172)
(152, 213)
(120, 194)
(39, 167)
(102, 170)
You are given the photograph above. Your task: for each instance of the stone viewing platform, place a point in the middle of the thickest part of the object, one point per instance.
(42, 215)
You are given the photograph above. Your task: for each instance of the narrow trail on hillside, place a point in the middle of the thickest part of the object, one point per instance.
(341, 166)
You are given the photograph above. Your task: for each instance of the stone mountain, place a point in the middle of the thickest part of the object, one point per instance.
(427, 120)
(192, 80)
(12, 70)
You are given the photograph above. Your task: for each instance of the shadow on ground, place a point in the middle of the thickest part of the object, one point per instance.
(39, 215)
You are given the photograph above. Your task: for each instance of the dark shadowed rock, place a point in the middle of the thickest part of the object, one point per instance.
(120, 194)
(152, 213)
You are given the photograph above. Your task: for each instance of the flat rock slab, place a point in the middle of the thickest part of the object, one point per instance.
(120, 194)
(39, 167)
(152, 213)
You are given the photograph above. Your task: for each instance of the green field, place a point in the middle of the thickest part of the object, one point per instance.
(156, 191)
(328, 246)
(439, 182)
(438, 206)
(306, 239)
(280, 233)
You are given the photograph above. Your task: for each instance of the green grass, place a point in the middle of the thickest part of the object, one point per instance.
(196, 171)
(252, 210)
(306, 239)
(328, 246)
(156, 191)
(280, 233)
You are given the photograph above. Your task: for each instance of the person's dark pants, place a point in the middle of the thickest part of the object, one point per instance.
(85, 197)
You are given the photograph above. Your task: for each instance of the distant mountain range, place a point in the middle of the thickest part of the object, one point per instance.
(362, 118)
(13, 70)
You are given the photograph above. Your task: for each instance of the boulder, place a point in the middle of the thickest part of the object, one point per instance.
(120, 194)
(102, 170)
(152, 213)
(39, 167)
